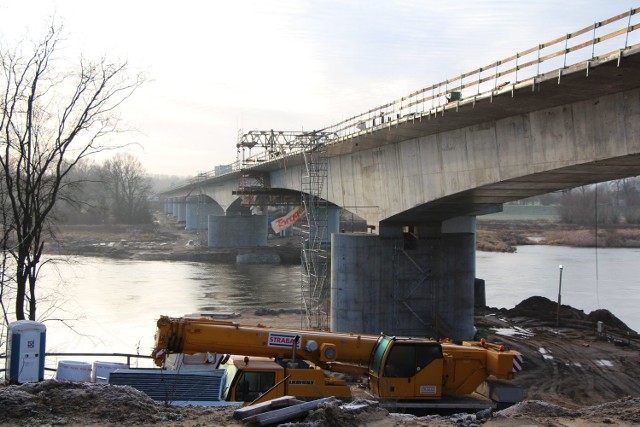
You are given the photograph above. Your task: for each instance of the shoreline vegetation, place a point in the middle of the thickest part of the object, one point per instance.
(505, 235)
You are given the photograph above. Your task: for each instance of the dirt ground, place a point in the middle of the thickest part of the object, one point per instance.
(570, 364)
(573, 375)
(75, 404)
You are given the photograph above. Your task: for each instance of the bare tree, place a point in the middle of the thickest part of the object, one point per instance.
(7, 282)
(50, 118)
(578, 205)
(129, 186)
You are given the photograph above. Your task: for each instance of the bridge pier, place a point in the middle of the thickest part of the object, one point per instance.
(191, 220)
(198, 209)
(176, 203)
(237, 231)
(416, 281)
(181, 209)
(328, 224)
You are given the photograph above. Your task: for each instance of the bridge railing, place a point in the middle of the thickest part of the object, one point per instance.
(597, 41)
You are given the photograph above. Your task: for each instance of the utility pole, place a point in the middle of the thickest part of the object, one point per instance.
(559, 297)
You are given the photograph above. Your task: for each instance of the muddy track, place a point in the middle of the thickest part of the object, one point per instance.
(573, 368)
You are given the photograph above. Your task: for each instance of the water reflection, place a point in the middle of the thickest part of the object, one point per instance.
(227, 286)
(112, 305)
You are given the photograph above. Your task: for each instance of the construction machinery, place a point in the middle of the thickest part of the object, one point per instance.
(263, 363)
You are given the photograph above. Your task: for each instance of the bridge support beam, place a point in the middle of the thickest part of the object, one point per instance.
(417, 281)
(241, 231)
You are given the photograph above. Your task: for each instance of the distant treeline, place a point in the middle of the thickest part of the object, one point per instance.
(616, 201)
(116, 191)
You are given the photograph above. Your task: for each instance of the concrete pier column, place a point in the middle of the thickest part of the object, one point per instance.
(204, 210)
(333, 221)
(191, 219)
(332, 214)
(198, 210)
(175, 206)
(360, 295)
(182, 209)
(237, 231)
(458, 276)
(416, 282)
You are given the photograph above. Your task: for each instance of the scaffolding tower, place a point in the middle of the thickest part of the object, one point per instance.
(275, 145)
(315, 253)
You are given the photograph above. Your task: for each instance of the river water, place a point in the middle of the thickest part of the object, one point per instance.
(112, 305)
(591, 278)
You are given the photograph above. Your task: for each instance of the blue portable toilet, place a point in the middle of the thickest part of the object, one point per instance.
(25, 352)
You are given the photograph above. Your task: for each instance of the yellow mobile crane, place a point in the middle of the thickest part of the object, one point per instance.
(264, 362)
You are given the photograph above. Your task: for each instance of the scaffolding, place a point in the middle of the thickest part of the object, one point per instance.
(275, 145)
(251, 182)
(315, 253)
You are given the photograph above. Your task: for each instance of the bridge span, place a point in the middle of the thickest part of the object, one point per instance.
(420, 169)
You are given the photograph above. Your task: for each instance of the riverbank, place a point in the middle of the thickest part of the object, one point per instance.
(164, 240)
(167, 240)
(505, 235)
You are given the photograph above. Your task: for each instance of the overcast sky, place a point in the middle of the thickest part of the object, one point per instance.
(216, 67)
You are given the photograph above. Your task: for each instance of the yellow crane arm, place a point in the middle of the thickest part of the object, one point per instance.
(185, 335)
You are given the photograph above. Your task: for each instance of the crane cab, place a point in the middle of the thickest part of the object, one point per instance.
(406, 369)
(250, 378)
(258, 379)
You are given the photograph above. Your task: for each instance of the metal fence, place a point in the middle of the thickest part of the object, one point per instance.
(53, 357)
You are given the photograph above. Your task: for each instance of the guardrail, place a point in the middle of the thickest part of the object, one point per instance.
(573, 49)
(484, 81)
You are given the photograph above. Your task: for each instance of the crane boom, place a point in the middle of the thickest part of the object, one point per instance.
(184, 335)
